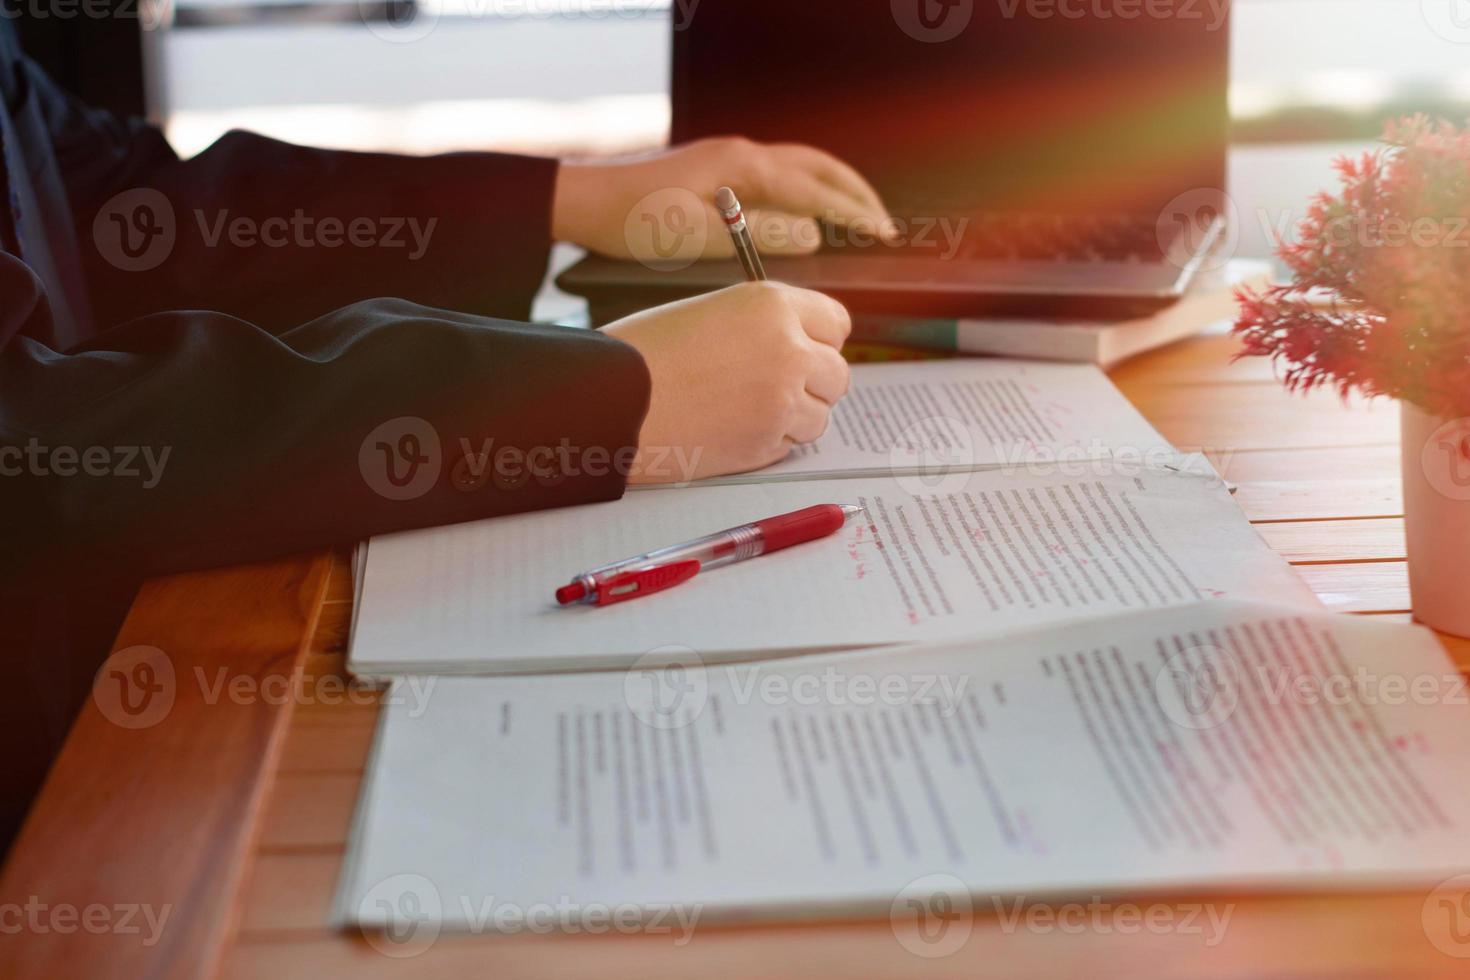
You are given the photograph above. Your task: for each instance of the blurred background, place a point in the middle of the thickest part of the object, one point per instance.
(1310, 78)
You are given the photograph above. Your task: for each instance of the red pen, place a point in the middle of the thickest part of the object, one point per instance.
(671, 566)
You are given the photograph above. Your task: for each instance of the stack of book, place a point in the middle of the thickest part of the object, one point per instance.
(1209, 303)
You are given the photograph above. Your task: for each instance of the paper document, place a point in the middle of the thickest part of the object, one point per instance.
(972, 553)
(972, 413)
(1212, 744)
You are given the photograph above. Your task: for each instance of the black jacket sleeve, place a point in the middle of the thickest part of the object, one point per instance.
(188, 439)
(280, 234)
(241, 396)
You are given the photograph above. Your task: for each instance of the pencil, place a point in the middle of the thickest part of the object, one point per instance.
(730, 210)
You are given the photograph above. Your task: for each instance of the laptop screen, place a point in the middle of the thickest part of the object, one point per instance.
(1058, 106)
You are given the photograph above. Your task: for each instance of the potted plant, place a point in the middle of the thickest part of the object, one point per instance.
(1392, 250)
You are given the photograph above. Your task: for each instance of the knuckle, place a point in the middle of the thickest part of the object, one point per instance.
(841, 318)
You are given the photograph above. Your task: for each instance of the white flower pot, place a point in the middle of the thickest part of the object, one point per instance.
(1436, 464)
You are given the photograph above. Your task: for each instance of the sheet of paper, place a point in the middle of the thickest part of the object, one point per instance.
(971, 413)
(966, 553)
(1215, 744)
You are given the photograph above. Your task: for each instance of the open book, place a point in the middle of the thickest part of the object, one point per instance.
(998, 495)
(1204, 746)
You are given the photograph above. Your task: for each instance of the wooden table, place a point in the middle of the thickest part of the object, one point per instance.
(233, 809)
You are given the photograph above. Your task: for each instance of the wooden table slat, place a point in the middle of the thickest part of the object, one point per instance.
(157, 807)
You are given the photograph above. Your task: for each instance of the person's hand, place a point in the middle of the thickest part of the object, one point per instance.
(660, 208)
(739, 377)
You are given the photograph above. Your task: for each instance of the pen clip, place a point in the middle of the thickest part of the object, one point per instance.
(645, 581)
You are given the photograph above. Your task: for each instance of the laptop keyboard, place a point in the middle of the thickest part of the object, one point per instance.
(1017, 237)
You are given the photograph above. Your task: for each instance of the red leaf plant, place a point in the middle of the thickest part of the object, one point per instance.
(1393, 249)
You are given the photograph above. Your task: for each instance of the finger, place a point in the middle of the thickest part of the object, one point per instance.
(870, 214)
(778, 233)
(828, 375)
(808, 419)
(823, 318)
(800, 192)
(783, 186)
(832, 170)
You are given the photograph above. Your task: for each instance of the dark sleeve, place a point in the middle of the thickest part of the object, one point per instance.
(189, 439)
(278, 234)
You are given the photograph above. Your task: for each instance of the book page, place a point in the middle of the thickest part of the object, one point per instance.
(959, 554)
(1215, 744)
(970, 413)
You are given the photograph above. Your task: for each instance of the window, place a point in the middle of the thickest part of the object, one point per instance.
(1310, 79)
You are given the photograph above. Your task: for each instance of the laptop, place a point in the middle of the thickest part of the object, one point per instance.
(1057, 159)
